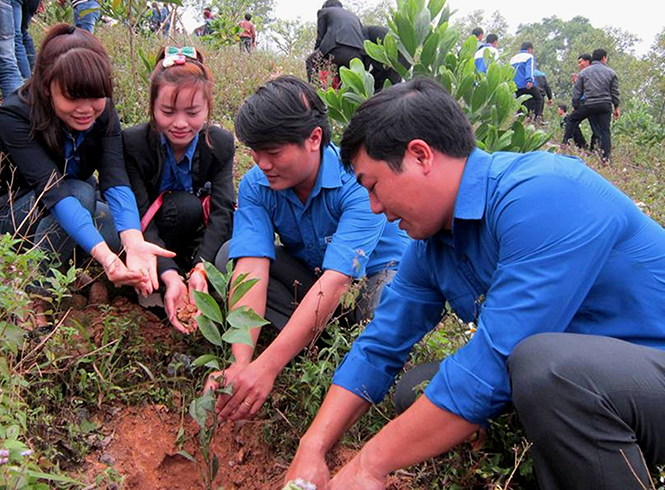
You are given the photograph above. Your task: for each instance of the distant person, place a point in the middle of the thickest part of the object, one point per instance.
(380, 72)
(478, 33)
(598, 85)
(541, 82)
(524, 63)
(583, 61)
(578, 137)
(10, 76)
(490, 46)
(86, 13)
(24, 47)
(339, 34)
(248, 35)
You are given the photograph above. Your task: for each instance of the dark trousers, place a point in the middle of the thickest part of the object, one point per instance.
(600, 118)
(342, 55)
(535, 104)
(593, 407)
(180, 225)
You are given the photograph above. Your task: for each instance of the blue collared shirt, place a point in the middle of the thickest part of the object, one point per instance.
(540, 243)
(334, 229)
(177, 176)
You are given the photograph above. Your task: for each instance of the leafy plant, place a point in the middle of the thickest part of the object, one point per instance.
(420, 43)
(238, 322)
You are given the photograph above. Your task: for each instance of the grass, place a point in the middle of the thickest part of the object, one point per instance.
(98, 359)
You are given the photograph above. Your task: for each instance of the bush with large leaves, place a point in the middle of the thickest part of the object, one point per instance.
(419, 33)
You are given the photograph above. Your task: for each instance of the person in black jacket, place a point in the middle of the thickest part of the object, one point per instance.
(380, 71)
(56, 132)
(180, 169)
(339, 34)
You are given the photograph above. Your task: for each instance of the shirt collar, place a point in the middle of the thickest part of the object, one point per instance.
(189, 151)
(472, 193)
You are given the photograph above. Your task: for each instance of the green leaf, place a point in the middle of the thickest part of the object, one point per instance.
(218, 280)
(407, 34)
(209, 330)
(351, 80)
(479, 98)
(215, 466)
(428, 54)
(201, 406)
(208, 306)
(468, 48)
(238, 336)
(50, 477)
(435, 7)
(186, 455)
(241, 289)
(204, 360)
(243, 276)
(422, 25)
(245, 318)
(376, 52)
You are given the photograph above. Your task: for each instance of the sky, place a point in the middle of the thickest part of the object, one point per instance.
(644, 18)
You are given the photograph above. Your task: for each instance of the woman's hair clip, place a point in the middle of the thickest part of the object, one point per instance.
(177, 56)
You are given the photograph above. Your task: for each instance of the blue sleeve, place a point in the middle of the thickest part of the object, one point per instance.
(123, 208)
(77, 222)
(410, 307)
(253, 229)
(358, 232)
(530, 67)
(548, 261)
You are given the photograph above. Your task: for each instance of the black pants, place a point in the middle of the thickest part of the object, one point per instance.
(592, 406)
(535, 104)
(600, 118)
(180, 225)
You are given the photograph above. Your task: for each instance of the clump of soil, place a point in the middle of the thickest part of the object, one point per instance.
(186, 315)
(142, 446)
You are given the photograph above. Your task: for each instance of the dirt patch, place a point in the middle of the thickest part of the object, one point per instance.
(142, 447)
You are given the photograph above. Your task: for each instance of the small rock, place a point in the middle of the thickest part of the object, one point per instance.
(98, 295)
(107, 459)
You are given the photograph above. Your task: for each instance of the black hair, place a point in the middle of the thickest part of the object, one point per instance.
(332, 3)
(526, 45)
(478, 31)
(491, 38)
(419, 109)
(584, 56)
(284, 110)
(248, 16)
(563, 107)
(598, 54)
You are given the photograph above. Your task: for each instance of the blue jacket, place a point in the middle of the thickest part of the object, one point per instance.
(524, 64)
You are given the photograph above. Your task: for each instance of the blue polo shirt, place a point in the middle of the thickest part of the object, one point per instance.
(539, 243)
(335, 229)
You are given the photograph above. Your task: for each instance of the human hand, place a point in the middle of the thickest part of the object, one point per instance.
(357, 474)
(142, 257)
(617, 113)
(251, 386)
(309, 465)
(175, 299)
(198, 281)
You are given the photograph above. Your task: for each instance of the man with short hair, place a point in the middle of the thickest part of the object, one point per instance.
(299, 190)
(524, 63)
(478, 33)
(562, 274)
(248, 35)
(598, 86)
(490, 47)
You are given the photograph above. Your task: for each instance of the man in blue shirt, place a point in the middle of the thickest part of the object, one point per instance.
(561, 272)
(329, 236)
(524, 63)
(490, 47)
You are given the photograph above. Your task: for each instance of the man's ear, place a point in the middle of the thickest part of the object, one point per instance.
(422, 153)
(315, 138)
